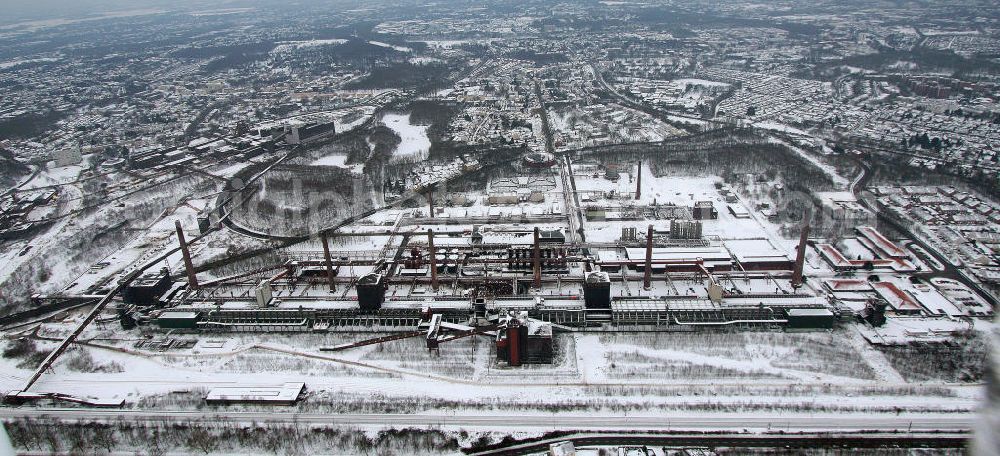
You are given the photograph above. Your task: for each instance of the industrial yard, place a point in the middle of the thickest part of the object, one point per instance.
(552, 285)
(547, 289)
(537, 228)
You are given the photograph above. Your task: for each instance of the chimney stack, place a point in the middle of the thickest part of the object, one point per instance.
(638, 181)
(537, 263)
(329, 261)
(430, 199)
(188, 265)
(648, 275)
(800, 256)
(434, 271)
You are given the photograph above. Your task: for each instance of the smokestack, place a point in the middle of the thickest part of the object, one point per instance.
(188, 266)
(648, 275)
(537, 260)
(329, 261)
(430, 199)
(638, 181)
(800, 256)
(434, 271)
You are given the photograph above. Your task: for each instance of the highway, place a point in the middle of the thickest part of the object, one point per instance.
(687, 421)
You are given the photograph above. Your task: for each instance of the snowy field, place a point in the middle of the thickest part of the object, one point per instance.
(286, 46)
(681, 191)
(53, 176)
(332, 160)
(655, 373)
(414, 140)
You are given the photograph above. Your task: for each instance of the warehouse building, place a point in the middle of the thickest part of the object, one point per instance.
(173, 319)
(148, 289)
(810, 319)
(287, 394)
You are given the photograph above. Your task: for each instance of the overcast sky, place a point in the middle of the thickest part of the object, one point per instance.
(22, 10)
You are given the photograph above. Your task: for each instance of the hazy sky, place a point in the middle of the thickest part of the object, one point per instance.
(15, 11)
(23, 10)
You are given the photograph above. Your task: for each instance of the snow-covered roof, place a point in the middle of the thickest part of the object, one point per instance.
(809, 312)
(178, 315)
(288, 392)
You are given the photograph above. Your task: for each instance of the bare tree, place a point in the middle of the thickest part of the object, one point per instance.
(53, 441)
(78, 441)
(153, 446)
(104, 437)
(202, 440)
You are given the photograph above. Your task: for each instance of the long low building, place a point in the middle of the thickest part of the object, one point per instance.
(286, 394)
(743, 254)
(673, 259)
(566, 310)
(759, 255)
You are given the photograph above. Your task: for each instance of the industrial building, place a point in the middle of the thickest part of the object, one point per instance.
(550, 280)
(685, 229)
(526, 342)
(300, 129)
(884, 254)
(810, 318)
(148, 289)
(514, 285)
(704, 210)
(174, 319)
(287, 394)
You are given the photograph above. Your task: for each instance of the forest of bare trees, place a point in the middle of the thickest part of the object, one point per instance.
(199, 437)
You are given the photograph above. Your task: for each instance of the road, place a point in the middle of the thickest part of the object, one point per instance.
(950, 271)
(571, 201)
(544, 114)
(656, 113)
(737, 441)
(917, 422)
(871, 145)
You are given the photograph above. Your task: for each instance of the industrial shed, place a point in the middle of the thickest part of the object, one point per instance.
(810, 319)
(178, 320)
(147, 289)
(286, 394)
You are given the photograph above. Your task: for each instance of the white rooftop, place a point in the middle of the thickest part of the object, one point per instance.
(287, 392)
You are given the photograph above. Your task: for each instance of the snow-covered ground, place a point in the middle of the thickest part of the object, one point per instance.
(828, 169)
(414, 139)
(700, 82)
(681, 191)
(391, 46)
(53, 176)
(286, 46)
(332, 160)
(658, 373)
(339, 160)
